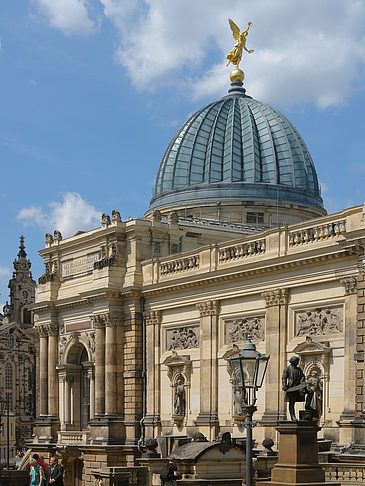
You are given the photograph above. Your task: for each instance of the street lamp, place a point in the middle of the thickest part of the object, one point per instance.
(248, 369)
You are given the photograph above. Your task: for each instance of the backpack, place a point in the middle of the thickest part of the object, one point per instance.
(165, 474)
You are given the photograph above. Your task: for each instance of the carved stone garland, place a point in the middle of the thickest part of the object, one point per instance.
(179, 374)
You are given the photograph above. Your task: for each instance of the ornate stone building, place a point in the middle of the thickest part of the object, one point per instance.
(137, 319)
(17, 350)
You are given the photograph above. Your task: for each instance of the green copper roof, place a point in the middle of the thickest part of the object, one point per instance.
(237, 140)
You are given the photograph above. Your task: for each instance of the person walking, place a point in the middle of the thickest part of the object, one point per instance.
(36, 473)
(54, 474)
(169, 473)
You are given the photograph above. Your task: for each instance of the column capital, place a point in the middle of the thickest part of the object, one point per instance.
(350, 284)
(106, 319)
(153, 317)
(42, 330)
(208, 308)
(276, 297)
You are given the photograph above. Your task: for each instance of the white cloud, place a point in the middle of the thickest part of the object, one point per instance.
(69, 216)
(69, 16)
(5, 273)
(305, 51)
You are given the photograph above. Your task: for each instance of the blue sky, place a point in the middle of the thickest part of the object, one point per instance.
(92, 92)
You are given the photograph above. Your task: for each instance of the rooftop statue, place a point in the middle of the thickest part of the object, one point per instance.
(235, 55)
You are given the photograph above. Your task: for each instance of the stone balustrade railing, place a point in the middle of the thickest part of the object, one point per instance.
(317, 233)
(179, 265)
(242, 250)
(344, 472)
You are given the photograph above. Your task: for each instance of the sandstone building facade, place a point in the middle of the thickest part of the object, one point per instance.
(137, 319)
(18, 353)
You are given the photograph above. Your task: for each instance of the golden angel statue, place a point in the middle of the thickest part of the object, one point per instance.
(234, 56)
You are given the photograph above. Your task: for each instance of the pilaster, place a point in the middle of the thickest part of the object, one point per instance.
(152, 419)
(276, 302)
(207, 420)
(346, 432)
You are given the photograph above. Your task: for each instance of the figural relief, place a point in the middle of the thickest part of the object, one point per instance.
(182, 337)
(319, 321)
(237, 330)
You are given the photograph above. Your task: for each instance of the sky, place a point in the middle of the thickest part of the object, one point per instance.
(92, 91)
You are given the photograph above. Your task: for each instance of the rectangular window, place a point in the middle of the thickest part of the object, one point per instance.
(255, 218)
(11, 428)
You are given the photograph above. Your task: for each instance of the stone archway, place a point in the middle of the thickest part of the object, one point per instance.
(76, 388)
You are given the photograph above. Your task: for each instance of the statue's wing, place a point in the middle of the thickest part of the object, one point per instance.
(235, 30)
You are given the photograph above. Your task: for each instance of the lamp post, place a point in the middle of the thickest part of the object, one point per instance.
(248, 369)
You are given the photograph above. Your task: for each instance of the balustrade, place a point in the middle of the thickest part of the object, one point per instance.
(342, 473)
(179, 265)
(317, 233)
(242, 250)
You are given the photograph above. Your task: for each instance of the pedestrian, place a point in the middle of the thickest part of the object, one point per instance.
(54, 473)
(170, 474)
(36, 473)
(43, 464)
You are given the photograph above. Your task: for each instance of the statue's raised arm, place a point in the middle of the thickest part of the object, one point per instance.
(235, 55)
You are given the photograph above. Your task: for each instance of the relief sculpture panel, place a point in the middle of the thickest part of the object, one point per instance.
(182, 337)
(237, 330)
(319, 321)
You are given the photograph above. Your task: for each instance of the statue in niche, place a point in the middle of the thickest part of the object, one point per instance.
(313, 400)
(179, 398)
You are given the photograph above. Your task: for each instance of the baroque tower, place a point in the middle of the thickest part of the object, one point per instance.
(22, 290)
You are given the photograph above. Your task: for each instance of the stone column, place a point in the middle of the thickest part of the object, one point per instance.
(99, 326)
(153, 353)
(111, 363)
(91, 376)
(52, 369)
(67, 404)
(62, 399)
(43, 370)
(276, 340)
(207, 420)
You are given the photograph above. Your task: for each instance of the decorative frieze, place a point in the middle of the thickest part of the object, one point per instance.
(350, 284)
(153, 317)
(182, 337)
(319, 321)
(276, 297)
(208, 308)
(237, 330)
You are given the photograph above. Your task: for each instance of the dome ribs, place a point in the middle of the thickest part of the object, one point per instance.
(180, 175)
(214, 156)
(283, 154)
(267, 152)
(197, 158)
(298, 157)
(251, 167)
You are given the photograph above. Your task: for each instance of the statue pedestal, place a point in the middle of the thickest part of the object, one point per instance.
(298, 456)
